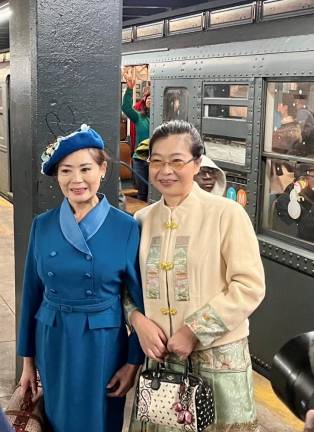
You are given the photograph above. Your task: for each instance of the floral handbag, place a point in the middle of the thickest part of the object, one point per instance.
(181, 400)
(24, 413)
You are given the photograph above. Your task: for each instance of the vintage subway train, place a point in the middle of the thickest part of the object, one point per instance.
(244, 77)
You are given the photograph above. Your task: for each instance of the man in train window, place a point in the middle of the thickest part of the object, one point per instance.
(287, 138)
(210, 177)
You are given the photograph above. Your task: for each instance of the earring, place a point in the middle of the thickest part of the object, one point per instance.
(102, 178)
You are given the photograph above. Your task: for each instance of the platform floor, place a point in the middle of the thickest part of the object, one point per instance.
(272, 414)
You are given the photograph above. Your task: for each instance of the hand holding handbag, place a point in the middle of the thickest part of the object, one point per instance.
(24, 413)
(181, 400)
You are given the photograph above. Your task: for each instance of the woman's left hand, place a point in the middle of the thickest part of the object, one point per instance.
(122, 380)
(182, 343)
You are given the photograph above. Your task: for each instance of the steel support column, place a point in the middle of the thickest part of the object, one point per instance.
(65, 70)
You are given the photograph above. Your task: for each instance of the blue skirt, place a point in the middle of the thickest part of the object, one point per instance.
(75, 364)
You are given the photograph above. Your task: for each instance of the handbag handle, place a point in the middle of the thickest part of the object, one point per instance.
(188, 368)
(27, 402)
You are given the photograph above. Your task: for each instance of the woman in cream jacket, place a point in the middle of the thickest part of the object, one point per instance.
(202, 278)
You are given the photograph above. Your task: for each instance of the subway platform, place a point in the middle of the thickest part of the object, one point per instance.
(272, 414)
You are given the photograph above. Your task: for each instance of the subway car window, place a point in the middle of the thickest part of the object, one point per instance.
(226, 149)
(225, 122)
(225, 111)
(289, 198)
(290, 118)
(238, 91)
(175, 104)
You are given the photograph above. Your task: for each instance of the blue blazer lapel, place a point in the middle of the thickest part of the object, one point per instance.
(71, 229)
(95, 218)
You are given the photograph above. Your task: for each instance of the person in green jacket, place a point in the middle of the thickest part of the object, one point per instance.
(141, 121)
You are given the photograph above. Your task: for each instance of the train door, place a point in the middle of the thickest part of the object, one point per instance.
(5, 169)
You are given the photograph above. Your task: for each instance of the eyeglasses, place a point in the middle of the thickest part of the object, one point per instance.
(207, 173)
(176, 165)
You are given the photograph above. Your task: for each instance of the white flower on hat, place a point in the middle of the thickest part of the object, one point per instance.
(49, 150)
(84, 127)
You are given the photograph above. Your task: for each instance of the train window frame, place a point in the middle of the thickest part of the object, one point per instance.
(266, 155)
(242, 123)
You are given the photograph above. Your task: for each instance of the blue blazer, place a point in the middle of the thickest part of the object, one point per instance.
(72, 318)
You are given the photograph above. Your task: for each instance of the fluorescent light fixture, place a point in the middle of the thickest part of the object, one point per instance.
(5, 12)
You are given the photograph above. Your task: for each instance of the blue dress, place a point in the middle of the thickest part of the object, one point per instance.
(72, 319)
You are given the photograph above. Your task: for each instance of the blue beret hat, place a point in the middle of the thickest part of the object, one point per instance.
(85, 137)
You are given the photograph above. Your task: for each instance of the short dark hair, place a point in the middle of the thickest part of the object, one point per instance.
(179, 127)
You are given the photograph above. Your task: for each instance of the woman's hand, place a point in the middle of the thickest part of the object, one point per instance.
(29, 377)
(152, 338)
(122, 380)
(129, 78)
(309, 421)
(130, 83)
(182, 343)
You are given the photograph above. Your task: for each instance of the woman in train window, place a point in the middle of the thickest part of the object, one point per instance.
(141, 121)
(202, 277)
(82, 257)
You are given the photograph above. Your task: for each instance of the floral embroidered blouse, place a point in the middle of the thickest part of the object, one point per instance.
(201, 267)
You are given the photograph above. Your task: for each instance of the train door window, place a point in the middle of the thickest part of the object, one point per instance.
(225, 122)
(176, 102)
(288, 204)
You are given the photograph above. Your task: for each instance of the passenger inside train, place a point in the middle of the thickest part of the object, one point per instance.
(175, 104)
(293, 120)
(210, 177)
(294, 207)
(141, 119)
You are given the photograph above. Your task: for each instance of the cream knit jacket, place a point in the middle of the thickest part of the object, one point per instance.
(200, 266)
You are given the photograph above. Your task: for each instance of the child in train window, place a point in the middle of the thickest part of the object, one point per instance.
(175, 104)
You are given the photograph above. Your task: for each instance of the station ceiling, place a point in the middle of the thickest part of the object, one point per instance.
(134, 11)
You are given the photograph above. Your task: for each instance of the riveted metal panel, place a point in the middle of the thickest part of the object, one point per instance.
(225, 101)
(285, 312)
(232, 128)
(301, 43)
(254, 179)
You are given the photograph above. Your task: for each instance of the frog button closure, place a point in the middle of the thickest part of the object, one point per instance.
(53, 253)
(89, 292)
(50, 274)
(87, 275)
(88, 257)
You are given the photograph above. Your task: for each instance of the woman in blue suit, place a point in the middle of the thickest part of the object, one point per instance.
(82, 262)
